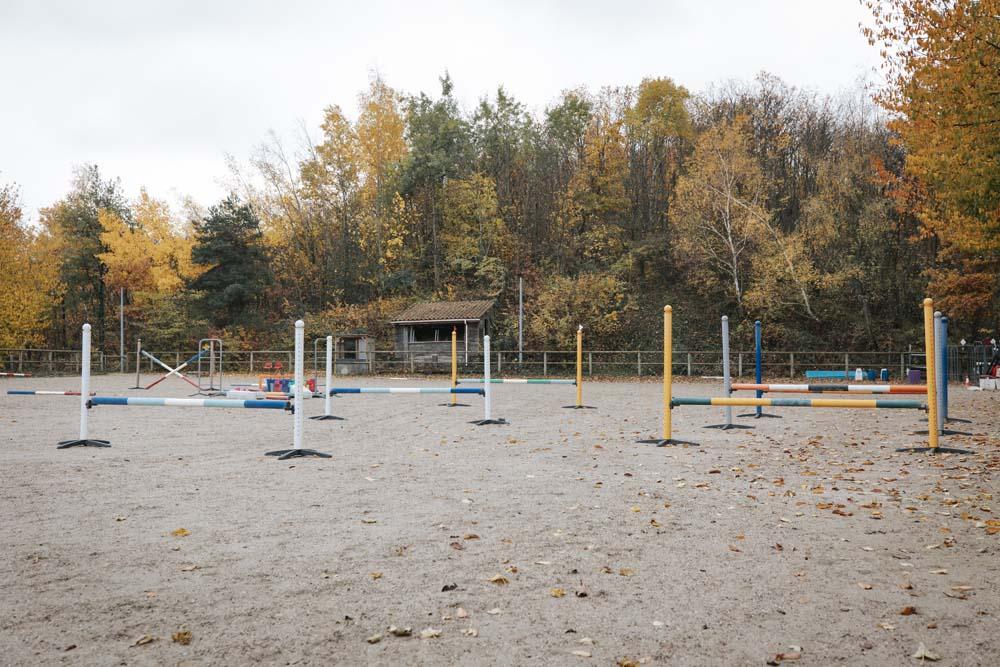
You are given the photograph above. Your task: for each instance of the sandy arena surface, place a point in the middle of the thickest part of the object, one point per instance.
(554, 540)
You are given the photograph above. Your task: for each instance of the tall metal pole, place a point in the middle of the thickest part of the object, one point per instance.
(520, 320)
(121, 329)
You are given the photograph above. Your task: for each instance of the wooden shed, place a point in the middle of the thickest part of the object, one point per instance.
(423, 331)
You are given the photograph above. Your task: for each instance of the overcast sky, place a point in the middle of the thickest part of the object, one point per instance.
(157, 93)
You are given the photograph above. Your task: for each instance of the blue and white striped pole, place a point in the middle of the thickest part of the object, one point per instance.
(944, 364)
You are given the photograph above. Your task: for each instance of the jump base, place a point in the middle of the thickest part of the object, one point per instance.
(934, 450)
(664, 442)
(284, 454)
(726, 427)
(323, 418)
(486, 422)
(63, 444)
(579, 407)
(454, 405)
(756, 416)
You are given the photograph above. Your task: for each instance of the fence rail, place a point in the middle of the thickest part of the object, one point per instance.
(962, 361)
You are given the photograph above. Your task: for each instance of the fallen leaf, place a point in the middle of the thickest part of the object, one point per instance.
(374, 639)
(923, 654)
(470, 632)
(626, 572)
(461, 613)
(189, 568)
(499, 580)
(430, 633)
(908, 611)
(557, 592)
(145, 639)
(182, 637)
(494, 611)
(582, 654)
(180, 532)
(400, 632)
(864, 586)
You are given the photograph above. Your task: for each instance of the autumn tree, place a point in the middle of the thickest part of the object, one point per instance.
(941, 60)
(29, 280)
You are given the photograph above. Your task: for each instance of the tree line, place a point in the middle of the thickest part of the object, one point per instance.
(828, 217)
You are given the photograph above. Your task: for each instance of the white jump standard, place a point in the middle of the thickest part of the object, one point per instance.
(487, 390)
(84, 440)
(327, 411)
(297, 451)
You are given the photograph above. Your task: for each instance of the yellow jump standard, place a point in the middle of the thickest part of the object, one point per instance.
(669, 402)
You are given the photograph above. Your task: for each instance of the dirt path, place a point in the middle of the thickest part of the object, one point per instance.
(553, 540)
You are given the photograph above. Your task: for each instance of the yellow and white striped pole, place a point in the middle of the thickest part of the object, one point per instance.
(668, 377)
(929, 352)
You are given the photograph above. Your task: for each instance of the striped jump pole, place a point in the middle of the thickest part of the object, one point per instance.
(668, 380)
(297, 450)
(758, 358)
(453, 401)
(941, 344)
(514, 381)
(173, 371)
(842, 388)
(191, 402)
(579, 373)
(405, 390)
(944, 373)
(727, 380)
(4, 374)
(39, 392)
(327, 411)
(84, 440)
(487, 390)
(801, 402)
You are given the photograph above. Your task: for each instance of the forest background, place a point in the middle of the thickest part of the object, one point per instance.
(829, 218)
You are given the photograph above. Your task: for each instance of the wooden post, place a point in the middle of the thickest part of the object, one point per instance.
(791, 365)
(454, 363)
(668, 342)
(579, 367)
(545, 364)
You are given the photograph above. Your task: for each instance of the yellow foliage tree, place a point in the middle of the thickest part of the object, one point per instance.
(29, 280)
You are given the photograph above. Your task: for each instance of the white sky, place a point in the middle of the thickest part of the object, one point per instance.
(158, 93)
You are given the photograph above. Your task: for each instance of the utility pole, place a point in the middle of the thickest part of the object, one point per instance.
(520, 320)
(121, 329)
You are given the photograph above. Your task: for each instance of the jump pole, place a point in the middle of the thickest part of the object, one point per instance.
(487, 390)
(944, 372)
(453, 402)
(668, 379)
(727, 380)
(579, 373)
(758, 357)
(327, 412)
(138, 363)
(84, 440)
(297, 418)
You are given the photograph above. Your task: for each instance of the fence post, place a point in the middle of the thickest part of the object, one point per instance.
(689, 364)
(499, 361)
(52, 369)
(902, 366)
(77, 355)
(638, 363)
(20, 362)
(545, 364)
(739, 364)
(412, 362)
(251, 362)
(847, 365)
(791, 365)
(590, 363)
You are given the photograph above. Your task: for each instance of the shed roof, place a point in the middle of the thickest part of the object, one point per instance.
(444, 311)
